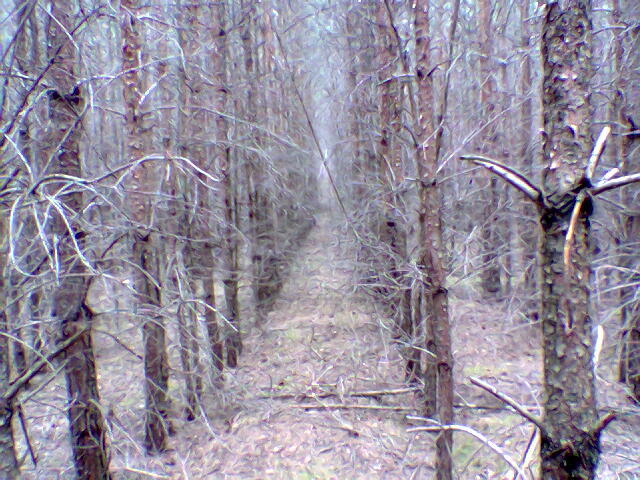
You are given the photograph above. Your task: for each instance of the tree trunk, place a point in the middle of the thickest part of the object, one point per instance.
(431, 256)
(233, 339)
(8, 462)
(490, 274)
(570, 446)
(527, 236)
(144, 244)
(66, 104)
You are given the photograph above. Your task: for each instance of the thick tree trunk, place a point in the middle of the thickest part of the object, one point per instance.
(258, 234)
(570, 446)
(144, 244)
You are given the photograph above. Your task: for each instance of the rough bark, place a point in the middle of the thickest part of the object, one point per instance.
(144, 242)
(570, 444)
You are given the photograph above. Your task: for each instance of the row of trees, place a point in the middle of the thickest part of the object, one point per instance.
(439, 93)
(153, 148)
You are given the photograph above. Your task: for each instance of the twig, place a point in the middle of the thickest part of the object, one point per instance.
(119, 342)
(25, 432)
(509, 401)
(479, 436)
(144, 472)
(532, 443)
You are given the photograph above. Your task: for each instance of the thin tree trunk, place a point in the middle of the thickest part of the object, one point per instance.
(233, 339)
(527, 235)
(66, 104)
(431, 263)
(8, 462)
(145, 246)
(490, 274)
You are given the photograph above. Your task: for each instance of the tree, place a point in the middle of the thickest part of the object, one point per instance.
(145, 247)
(571, 429)
(66, 111)
(490, 273)
(431, 264)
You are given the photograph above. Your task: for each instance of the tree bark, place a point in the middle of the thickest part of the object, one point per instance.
(570, 446)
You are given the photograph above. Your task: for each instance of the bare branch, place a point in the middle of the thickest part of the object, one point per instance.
(503, 397)
(606, 185)
(603, 423)
(508, 174)
(352, 406)
(19, 382)
(597, 152)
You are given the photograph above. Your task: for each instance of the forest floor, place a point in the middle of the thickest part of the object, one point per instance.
(323, 343)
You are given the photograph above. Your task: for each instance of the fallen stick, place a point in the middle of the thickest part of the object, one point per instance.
(366, 393)
(351, 406)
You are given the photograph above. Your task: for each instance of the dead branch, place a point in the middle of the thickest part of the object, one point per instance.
(367, 393)
(606, 185)
(597, 152)
(575, 214)
(603, 423)
(503, 397)
(23, 379)
(508, 174)
(352, 406)
(477, 435)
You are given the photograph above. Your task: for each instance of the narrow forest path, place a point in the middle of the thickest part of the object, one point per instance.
(319, 338)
